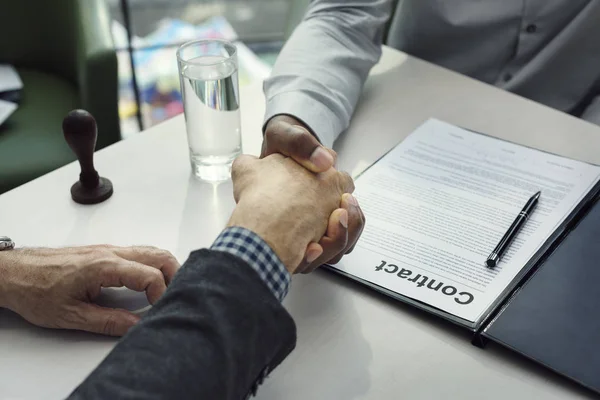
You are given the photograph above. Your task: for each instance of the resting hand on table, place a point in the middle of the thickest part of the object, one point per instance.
(290, 207)
(288, 136)
(55, 288)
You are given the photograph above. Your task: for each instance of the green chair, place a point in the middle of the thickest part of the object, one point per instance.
(64, 53)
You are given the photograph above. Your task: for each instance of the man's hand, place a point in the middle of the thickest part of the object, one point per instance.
(288, 136)
(288, 206)
(55, 288)
(338, 239)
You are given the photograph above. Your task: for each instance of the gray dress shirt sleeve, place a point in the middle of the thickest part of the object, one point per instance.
(322, 68)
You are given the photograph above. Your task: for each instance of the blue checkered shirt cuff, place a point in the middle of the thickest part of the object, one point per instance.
(250, 247)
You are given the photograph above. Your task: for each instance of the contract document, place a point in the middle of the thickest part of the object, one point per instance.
(437, 205)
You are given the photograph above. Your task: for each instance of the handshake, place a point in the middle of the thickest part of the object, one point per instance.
(307, 218)
(292, 198)
(217, 321)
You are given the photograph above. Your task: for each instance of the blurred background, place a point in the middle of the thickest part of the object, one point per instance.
(117, 60)
(146, 34)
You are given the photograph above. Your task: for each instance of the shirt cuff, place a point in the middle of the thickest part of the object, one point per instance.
(318, 117)
(251, 248)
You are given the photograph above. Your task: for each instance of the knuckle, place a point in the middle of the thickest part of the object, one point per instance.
(236, 174)
(356, 221)
(271, 132)
(101, 263)
(174, 261)
(235, 168)
(158, 252)
(168, 256)
(240, 167)
(110, 272)
(155, 276)
(346, 181)
(110, 326)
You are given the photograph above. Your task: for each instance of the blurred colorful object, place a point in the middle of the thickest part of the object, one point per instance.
(156, 66)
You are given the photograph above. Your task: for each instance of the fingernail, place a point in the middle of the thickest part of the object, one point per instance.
(312, 255)
(321, 158)
(344, 220)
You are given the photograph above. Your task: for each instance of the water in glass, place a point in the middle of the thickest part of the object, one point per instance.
(212, 114)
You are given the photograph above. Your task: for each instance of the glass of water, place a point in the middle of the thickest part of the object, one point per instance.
(208, 73)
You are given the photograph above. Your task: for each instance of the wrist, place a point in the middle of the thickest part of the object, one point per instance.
(289, 119)
(287, 244)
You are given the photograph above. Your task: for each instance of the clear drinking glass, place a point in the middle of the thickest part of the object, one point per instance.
(208, 73)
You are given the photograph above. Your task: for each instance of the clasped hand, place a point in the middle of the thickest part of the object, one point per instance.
(305, 217)
(287, 136)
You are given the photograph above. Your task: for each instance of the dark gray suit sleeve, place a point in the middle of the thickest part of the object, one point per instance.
(215, 334)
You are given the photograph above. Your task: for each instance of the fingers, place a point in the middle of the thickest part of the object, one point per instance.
(338, 240)
(105, 321)
(333, 154)
(356, 222)
(313, 251)
(135, 276)
(298, 143)
(333, 242)
(162, 260)
(346, 183)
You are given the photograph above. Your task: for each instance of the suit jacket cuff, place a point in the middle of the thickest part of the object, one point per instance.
(251, 248)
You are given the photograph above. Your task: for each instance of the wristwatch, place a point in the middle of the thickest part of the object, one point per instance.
(6, 243)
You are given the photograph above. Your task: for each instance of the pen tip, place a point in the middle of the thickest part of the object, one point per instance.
(537, 195)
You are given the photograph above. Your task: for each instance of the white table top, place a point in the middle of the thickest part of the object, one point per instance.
(352, 343)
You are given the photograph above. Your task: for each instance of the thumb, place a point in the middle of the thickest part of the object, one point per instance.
(105, 321)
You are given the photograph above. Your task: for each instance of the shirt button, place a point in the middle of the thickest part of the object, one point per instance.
(507, 77)
(532, 28)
